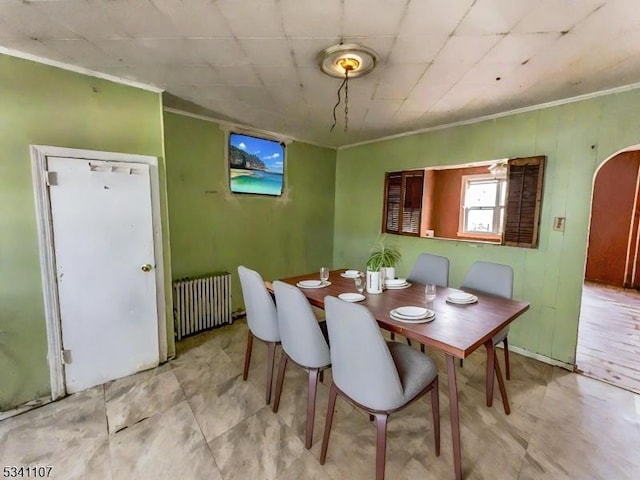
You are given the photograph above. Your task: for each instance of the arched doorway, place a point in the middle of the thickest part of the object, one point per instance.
(609, 328)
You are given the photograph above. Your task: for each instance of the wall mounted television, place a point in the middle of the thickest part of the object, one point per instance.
(256, 165)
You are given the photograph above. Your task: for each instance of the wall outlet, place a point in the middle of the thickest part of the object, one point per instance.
(558, 224)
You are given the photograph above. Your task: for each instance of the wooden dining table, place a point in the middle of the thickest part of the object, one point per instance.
(457, 331)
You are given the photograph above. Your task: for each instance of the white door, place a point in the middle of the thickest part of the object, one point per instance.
(103, 242)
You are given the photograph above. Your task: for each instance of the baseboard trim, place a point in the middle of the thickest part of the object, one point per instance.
(537, 356)
(25, 407)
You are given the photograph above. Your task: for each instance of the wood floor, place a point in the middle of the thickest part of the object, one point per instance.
(609, 335)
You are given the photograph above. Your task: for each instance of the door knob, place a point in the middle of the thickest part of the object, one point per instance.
(146, 267)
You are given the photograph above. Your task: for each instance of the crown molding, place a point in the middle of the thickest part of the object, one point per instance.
(226, 126)
(74, 68)
(495, 116)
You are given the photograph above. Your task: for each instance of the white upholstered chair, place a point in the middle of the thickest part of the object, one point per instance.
(262, 321)
(493, 279)
(303, 342)
(377, 376)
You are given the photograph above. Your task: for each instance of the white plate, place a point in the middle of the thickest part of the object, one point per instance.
(412, 312)
(350, 274)
(473, 299)
(312, 284)
(395, 314)
(397, 287)
(427, 314)
(414, 320)
(351, 297)
(461, 297)
(396, 282)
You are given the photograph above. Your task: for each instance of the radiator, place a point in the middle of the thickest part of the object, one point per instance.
(201, 303)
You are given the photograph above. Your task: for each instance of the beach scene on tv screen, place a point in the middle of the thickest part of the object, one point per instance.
(256, 165)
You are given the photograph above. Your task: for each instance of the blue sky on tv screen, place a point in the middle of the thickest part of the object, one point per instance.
(269, 151)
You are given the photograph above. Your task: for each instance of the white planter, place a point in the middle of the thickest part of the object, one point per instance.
(374, 282)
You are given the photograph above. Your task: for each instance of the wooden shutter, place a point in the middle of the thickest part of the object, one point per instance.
(413, 183)
(393, 196)
(403, 202)
(524, 197)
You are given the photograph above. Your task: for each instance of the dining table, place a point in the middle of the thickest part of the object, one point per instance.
(457, 330)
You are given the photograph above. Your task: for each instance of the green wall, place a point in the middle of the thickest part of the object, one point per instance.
(44, 105)
(575, 137)
(215, 230)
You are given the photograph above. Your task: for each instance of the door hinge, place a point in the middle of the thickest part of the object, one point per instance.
(51, 178)
(65, 356)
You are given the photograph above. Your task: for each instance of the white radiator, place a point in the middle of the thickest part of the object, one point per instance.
(202, 302)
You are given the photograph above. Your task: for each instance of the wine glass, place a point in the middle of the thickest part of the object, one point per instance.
(324, 274)
(430, 293)
(359, 283)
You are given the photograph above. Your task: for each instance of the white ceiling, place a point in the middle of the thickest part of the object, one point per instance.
(254, 61)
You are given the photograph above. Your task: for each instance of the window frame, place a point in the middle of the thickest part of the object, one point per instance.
(498, 218)
(522, 215)
(259, 137)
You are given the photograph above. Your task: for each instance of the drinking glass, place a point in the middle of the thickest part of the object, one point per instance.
(359, 282)
(430, 293)
(324, 274)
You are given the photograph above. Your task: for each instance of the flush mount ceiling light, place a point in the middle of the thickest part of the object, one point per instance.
(346, 61)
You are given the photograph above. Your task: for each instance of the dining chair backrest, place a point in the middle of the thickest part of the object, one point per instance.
(261, 311)
(300, 333)
(492, 278)
(361, 364)
(430, 269)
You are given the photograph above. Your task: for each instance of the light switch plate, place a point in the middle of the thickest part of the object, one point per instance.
(558, 224)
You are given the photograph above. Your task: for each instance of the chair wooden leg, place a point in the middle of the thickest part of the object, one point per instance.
(409, 341)
(321, 376)
(333, 393)
(435, 408)
(422, 347)
(311, 406)
(393, 336)
(507, 370)
(280, 380)
(381, 444)
(247, 355)
(461, 363)
(271, 359)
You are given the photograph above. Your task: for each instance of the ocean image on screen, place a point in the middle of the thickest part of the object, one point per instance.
(256, 165)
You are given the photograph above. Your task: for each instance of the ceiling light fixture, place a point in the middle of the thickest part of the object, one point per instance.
(346, 61)
(498, 169)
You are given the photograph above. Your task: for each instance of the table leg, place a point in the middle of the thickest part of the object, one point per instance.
(491, 361)
(493, 367)
(455, 416)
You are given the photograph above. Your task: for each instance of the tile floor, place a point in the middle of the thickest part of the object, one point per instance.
(195, 418)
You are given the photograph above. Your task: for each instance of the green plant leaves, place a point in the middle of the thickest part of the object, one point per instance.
(383, 254)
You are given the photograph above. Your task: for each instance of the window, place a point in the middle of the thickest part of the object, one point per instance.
(256, 165)
(403, 202)
(482, 205)
(471, 202)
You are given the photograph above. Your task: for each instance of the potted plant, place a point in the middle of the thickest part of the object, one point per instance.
(383, 259)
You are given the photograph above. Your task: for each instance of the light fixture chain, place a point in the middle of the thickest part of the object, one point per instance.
(340, 60)
(346, 100)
